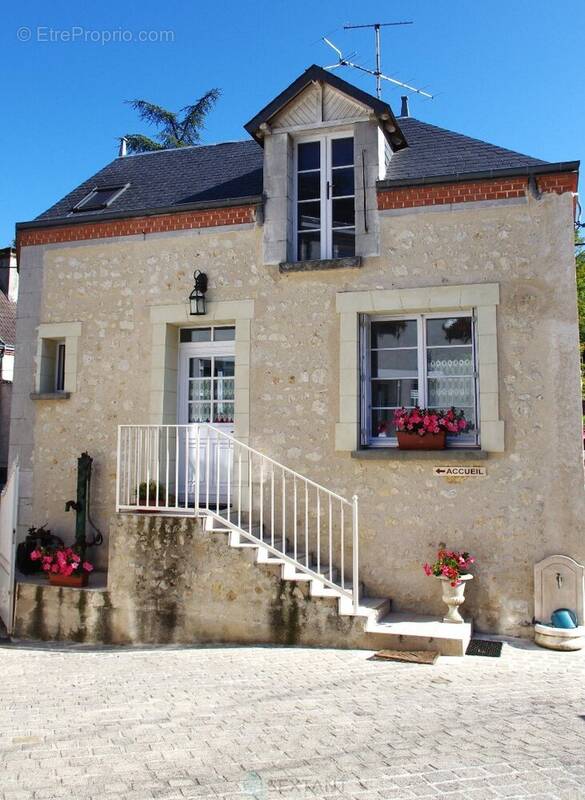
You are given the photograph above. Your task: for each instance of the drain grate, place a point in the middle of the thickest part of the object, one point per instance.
(484, 647)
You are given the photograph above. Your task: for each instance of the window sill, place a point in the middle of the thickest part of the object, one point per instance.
(452, 455)
(50, 395)
(319, 264)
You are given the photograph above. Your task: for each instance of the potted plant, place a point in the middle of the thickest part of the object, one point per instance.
(37, 537)
(155, 493)
(452, 569)
(64, 565)
(427, 429)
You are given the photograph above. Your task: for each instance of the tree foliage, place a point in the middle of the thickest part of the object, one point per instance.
(176, 129)
(580, 265)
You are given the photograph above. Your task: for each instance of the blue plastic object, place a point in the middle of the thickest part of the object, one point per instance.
(564, 618)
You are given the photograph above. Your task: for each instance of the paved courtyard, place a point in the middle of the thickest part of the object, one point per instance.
(260, 722)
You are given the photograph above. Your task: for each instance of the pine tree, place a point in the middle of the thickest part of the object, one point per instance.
(177, 129)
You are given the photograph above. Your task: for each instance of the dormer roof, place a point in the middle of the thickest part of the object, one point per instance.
(362, 103)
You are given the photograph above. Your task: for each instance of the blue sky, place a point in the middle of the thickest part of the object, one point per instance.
(507, 71)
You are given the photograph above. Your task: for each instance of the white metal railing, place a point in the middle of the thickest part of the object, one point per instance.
(201, 470)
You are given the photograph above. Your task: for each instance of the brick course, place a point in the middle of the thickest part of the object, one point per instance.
(402, 197)
(182, 220)
(469, 191)
(558, 183)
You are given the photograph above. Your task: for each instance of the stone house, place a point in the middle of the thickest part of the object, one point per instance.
(356, 262)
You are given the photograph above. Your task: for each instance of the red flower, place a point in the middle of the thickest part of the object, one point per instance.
(450, 564)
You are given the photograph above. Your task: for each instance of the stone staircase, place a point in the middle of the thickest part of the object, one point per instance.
(379, 626)
(296, 572)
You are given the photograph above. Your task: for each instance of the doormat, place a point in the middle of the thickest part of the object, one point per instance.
(484, 647)
(410, 656)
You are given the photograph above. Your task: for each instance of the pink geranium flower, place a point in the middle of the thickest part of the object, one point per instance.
(431, 421)
(450, 564)
(60, 560)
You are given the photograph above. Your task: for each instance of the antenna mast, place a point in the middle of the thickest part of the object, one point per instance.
(377, 73)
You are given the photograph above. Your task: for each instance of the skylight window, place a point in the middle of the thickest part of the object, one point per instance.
(100, 197)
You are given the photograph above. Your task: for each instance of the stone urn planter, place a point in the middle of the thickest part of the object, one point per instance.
(454, 596)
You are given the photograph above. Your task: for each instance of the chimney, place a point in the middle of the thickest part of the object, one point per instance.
(404, 110)
(123, 147)
(9, 273)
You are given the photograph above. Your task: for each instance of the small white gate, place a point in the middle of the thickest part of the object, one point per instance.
(8, 517)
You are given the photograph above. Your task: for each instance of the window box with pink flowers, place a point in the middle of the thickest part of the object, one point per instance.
(427, 429)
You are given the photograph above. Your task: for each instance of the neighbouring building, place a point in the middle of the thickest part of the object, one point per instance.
(8, 298)
(356, 262)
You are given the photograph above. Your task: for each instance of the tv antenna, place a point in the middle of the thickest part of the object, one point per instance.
(345, 61)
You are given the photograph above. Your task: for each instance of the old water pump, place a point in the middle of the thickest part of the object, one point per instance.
(81, 505)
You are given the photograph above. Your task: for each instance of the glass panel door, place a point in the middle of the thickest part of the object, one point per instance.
(342, 198)
(309, 201)
(325, 198)
(206, 395)
(211, 390)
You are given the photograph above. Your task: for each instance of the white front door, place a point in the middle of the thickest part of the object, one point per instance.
(206, 395)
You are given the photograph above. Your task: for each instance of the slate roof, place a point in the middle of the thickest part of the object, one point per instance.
(169, 178)
(7, 320)
(434, 152)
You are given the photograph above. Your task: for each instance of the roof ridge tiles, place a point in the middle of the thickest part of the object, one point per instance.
(182, 149)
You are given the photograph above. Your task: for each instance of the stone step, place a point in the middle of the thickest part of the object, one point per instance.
(383, 629)
(372, 609)
(406, 631)
(322, 568)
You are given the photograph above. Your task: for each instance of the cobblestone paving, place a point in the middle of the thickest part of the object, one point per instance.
(260, 722)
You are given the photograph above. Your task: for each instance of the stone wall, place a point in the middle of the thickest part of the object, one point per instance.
(530, 505)
(171, 582)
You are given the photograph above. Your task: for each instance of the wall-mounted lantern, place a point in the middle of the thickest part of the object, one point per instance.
(197, 296)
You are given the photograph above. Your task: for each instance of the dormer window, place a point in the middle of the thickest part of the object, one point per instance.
(325, 197)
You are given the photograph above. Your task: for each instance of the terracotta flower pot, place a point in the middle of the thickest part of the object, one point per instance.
(414, 441)
(76, 581)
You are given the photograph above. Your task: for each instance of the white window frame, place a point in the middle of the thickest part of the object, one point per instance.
(483, 297)
(50, 335)
(326, 182)
(367, 438)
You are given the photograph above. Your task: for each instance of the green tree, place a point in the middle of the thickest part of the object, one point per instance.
(580, 265)
(177, 129)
